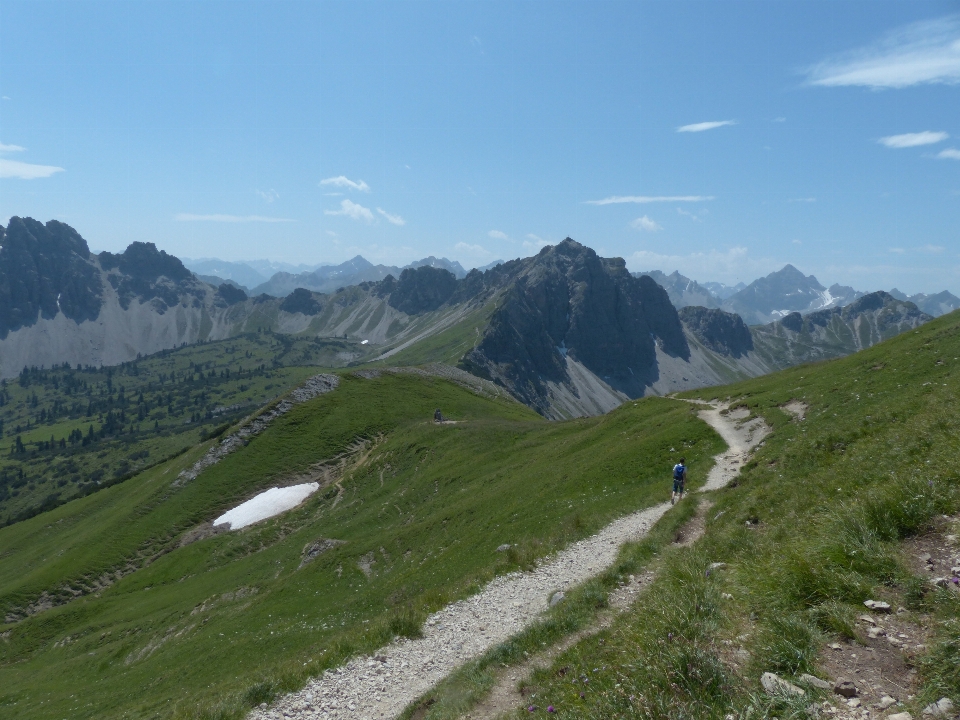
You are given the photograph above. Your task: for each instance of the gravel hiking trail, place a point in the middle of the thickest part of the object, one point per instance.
(383, 684)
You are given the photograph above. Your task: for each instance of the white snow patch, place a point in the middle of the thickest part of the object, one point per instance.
(267, 504)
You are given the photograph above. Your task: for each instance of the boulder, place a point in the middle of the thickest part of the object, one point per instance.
(877, 605)
(774, 684)
(942, 708)
(814, 681)
(845, 688)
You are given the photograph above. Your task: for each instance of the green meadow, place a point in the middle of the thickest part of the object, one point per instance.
(141, 624)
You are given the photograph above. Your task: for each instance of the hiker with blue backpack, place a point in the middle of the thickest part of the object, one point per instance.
(679, 479)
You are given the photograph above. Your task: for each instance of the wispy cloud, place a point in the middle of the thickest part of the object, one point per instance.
(498, 235)
(642, 199)
(701, 126)
(908, 140)
(190, 217)
(646, 224)
(268, 195)
(696, 217)
(802, 200)
(345, 182)
(394, 219)
(779, 119)
(932, 249)
(477, 251)
(26, 171)
(921, 53)
(352, 210)
(898, 251)
(11, 148)
(534, 242)
(949, 154)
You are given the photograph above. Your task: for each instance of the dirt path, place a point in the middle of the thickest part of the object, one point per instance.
(381, 686)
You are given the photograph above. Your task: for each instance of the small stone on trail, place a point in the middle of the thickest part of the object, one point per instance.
(836, 646)
(814, 681)
(504, 547)
(846, 688)
(773, 683)
(556, 598)
(900, 716)
(942, 708)
(885, 702)
(877, 605)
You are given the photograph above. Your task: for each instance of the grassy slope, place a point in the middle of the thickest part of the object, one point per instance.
(261, 366)
(218, 625)
(828, 502)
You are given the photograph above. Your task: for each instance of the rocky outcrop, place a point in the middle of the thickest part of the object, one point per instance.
(421, 289)
(720, 331)
(146, 274)
(300, 300)
(45, 270)
(567, 303)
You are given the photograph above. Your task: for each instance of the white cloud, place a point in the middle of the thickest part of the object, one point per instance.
(646, 224)
(949, 154)
(729, 266)
(344, 182)
(26, 171)
(190, 217)
(498, 235)
(394, 219)
(352, 210)
(921, 53)
(797, 242)
(534, 242)
(268, 195)
(477, 251)
(933, 249)
(898, 251)
(693, 216)
(803, 199)
(331, 233)
(701, 126)
(642, 199)
(11, 148)
(779, 119)
(908, 140)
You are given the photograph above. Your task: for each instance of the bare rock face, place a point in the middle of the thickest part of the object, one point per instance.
(44, 270)
(144, 273)
(569, 303)
(722, 332)
(422, 289)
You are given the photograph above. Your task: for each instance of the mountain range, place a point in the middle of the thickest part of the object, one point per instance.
(565, 331)
(780, 293)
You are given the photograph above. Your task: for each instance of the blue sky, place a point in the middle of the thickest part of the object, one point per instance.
(723, 139)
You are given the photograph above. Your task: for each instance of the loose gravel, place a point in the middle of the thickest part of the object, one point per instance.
(382, 685)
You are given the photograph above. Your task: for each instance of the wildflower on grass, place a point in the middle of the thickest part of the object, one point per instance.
(550, 709)
(532, 708)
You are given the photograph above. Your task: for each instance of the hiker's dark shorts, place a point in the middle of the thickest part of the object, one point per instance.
(678, 485)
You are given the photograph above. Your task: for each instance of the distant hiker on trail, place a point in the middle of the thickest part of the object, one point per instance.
(437, 416)
(679, 478)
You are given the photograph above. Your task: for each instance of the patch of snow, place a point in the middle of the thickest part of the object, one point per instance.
(364, 342)
(266, 505)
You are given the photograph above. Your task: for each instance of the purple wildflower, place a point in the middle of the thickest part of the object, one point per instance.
(532, 708)
(550, 709)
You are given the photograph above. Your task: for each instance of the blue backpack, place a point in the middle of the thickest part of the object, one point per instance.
(678, 470)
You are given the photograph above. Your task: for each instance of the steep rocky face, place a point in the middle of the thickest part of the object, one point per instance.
(300, 301)
(144, 273)
(722, 332)
(231, 294)
(45, 269)
(568, 304)
(420, 290)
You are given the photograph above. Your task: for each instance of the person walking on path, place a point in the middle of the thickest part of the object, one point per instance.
(679, 479)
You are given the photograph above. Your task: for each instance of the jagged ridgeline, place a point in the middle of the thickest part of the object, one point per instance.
(567, 332)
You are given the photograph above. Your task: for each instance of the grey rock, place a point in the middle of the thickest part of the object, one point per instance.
(773, 684)
(942, 708)
(885, 702)
(814, 681)
(504, 547)
(556, 598)
(845, 688)
(900, 716)
(877, 605)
